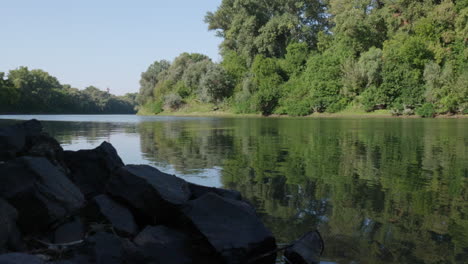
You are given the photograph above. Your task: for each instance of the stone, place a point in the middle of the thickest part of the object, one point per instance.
(103, 209)
(105, 248)
(20, 258)
(164, 245)
(39, 191)
(10, 237)
(43, 145)
(90, 169)
(306, 250)
(200, 190)
(13, 138)
(153, 194)
(232, 228)
(69, 232)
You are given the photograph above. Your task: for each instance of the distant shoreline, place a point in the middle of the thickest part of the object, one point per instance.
(379, 114)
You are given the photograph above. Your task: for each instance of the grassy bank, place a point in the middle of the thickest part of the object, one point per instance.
(209, 110)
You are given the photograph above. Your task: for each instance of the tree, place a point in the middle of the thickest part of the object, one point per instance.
(149, 79)
(216, 84)
(266, 27)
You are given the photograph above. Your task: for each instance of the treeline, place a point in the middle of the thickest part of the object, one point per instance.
(35, 91)
(297, 57)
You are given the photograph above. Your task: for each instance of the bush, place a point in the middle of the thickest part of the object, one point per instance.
(337, 106)
(172, 101)
(397, 109)
(427, 110)
(297, 108)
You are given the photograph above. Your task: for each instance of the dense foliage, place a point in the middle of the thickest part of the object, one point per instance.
(35, 91)
(297, 57)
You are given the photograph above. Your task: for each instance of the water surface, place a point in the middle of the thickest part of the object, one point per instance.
(379, 190)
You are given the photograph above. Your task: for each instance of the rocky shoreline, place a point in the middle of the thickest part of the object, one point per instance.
(87, 206)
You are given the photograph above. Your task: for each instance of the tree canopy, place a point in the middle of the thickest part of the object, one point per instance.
(297, 57)
(36, 91)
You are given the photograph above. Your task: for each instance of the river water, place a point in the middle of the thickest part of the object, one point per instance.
(379, 190)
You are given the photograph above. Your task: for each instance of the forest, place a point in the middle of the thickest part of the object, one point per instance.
(24, 91)
(298, 57)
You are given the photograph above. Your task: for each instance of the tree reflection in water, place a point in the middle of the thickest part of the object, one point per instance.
(379, 190)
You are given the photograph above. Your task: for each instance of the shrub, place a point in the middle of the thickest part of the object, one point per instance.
(427, 110)
(337, 106)
(172, 101)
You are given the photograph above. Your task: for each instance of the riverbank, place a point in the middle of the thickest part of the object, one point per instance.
(343, 114)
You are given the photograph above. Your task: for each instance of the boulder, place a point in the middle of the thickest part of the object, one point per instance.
(232, 228)
(91, 168)
(153, 194)
(10, 238)
(13, 138)
(200, 190)
(103, 209)
(104, 248)
(69, 232)
(40, 192)
(306, 250)
(20, 258)
(164, 245)
(43, 145)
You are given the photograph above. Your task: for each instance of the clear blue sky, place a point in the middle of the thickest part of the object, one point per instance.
(105, 43)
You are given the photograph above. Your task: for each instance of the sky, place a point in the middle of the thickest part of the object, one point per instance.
(105, 43)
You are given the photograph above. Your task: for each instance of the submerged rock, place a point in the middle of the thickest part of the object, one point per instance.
(103, 209)
(150, 192)
(92, 168)
(306, 250)
(40, 192)
(232, 228)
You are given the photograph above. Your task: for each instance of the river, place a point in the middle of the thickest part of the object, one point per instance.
(384, 190)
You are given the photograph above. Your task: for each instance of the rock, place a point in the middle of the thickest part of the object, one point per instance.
(155, 195)
(43, 145)
(104, 248)
(13, 138)
(232, 228)
(20, 258)
(103, 209)
(10, 237)
(69, 232)
(199, 190)
(163, 245)
(39, 191)
(306, 250)
(91, 168)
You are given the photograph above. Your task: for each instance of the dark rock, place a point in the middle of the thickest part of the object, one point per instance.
(91, 168)
(163, 245)
(39, 191)
(104, 248)
(13, 138)
(150, 192)
(103, 209)
(43, 145)
(306, 250)
(69, 232)
(10, 237)
(20, 258)
(199, 190)
(232, 228)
